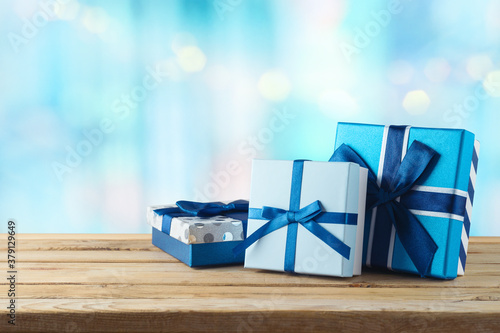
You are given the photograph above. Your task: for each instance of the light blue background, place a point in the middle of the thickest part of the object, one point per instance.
(241, 79)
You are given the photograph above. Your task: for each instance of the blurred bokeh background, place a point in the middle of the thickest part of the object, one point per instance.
(107, 107)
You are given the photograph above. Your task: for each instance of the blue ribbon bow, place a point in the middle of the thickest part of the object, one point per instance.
(309, 217)
(237, 209)
(278, 218)
(211, 208)
(414, 237)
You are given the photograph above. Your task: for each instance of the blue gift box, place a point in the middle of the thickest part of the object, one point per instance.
(200, 234)
(422, 190)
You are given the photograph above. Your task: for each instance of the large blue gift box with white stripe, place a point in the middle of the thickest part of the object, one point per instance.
(420, 195)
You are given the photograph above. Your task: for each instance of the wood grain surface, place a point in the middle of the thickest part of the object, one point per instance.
(122, 283)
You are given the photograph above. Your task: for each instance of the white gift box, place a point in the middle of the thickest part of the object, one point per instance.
(340, 189)
(198, 230)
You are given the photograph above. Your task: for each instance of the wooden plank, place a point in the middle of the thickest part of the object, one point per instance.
(280, 303)
(83, 245)
(77, 236)
(473, 268)
(179, 274)
(248, 321)
(141, 243)
(95, 256)
(484, 239)
(150, 255)
(163, 291)
(243, 315)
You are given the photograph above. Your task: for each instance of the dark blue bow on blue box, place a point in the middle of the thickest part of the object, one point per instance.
(237, 209)
(396, 196)
(213, 253)
(416, 240)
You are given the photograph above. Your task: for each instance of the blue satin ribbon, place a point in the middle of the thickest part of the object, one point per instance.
(205, 209)
(237, 209)
(323, 217)
(398, 178)
(308, 216)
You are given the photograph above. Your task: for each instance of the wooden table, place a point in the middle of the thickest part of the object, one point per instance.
(104, 283)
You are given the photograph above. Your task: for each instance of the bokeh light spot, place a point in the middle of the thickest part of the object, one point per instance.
(492, 83)
(416, 102)
(478, 66)
(68, 10)
(95, 19)
(191, 59)
(274, 85)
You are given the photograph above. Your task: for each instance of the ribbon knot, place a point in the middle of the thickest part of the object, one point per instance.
(228, 207)
(384, 197)
(290, 216)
